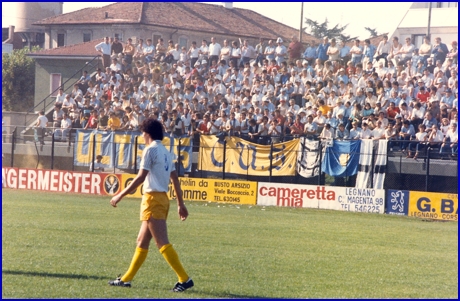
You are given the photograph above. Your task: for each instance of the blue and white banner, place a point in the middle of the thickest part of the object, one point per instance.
(342, 158)
(117, 149)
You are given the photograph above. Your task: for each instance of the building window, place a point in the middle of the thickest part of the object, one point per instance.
(86, 37)
(60, 39)
(155, 38)
(445, 4)
(417, 40)
(183, 42)
(119, 36)
(55, 83)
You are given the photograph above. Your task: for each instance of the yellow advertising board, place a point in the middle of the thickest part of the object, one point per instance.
(433, 205)
(209, 190)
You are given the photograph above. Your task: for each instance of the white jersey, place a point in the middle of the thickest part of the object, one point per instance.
(157, 160)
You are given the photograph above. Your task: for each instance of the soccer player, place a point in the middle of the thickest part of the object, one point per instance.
(156, 169)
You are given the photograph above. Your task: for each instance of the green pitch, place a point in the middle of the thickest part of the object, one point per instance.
(69, 246)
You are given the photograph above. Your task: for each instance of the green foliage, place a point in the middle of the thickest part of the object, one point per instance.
(58, 245)
(321, 30)
(18, 81)
(372, 31)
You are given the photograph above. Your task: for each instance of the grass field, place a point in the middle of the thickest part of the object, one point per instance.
(68, 246)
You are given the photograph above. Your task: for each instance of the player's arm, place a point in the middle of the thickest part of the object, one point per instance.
(138, 180)
(182, 210)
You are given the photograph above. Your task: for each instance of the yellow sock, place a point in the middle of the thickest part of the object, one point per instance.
(172, 259)
(138, 259)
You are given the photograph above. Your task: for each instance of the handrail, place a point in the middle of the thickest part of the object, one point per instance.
(32, 110)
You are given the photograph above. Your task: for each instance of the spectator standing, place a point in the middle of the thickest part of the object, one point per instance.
(322, 50)
(214, 51)
(116, 48)
(294, 49)
(40, 126)
(105, 49)
(129, 50)
(280, 51)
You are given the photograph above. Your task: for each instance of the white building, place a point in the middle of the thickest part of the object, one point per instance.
(444, 23)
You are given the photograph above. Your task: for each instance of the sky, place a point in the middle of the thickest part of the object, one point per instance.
(383, 16)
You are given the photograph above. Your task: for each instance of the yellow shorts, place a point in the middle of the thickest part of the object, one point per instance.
(154, 204)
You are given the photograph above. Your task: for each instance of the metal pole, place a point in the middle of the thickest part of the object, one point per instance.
(373, 163)
(13, 142)
(179, 161)
(135, 154)
(73, 152)
(52, 151)
(301, 22)
(427, 182)
(320, 149)
(93, 152)
(271, 162)
(223, 163)
(428, 33)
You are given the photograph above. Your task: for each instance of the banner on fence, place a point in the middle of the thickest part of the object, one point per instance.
(210, 190)
(246, 158)
(308, 158)
(397, 202)
(117, 149)
(61, 181)
(342, 158)
(322, 197)
(433, 205)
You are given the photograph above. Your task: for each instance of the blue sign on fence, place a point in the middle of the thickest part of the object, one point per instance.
(397, 202)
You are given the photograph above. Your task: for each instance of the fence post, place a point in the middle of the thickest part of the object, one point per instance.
(373, 161)
(179, 161)
(427, 182)
(320, 172)
(13, 144)
(52, 150)
(271, 161)
(135, 154)
(93, 152)
(223, 163)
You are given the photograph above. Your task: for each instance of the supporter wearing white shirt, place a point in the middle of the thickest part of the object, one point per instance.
(280, 51)
(365, 133)
(214, 125)
(214, 50)
(115, 66)
(204, 50)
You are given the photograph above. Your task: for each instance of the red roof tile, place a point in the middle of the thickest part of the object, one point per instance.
(182, 15)
(81, 49)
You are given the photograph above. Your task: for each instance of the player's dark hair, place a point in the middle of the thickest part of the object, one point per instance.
(153, 128)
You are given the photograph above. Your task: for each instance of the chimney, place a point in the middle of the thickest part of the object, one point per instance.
(228, 5)
(10, 35)
(106, 14)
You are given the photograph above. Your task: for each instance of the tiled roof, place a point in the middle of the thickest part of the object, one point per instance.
(182, 15)
(123, 12)
(81, 49)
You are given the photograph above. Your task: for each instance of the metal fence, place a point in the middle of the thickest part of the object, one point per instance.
(430, 172)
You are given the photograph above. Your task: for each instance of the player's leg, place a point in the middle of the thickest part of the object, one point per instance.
(159, 231)
(143, 242)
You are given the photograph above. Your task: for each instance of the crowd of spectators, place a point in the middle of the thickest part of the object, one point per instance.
(272, 92)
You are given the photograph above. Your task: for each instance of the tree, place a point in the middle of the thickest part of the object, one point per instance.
(372, 31)
(321, 30)
(18, 81)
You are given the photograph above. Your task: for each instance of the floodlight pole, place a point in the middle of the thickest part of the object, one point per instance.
(301, 19)
(429, 21)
